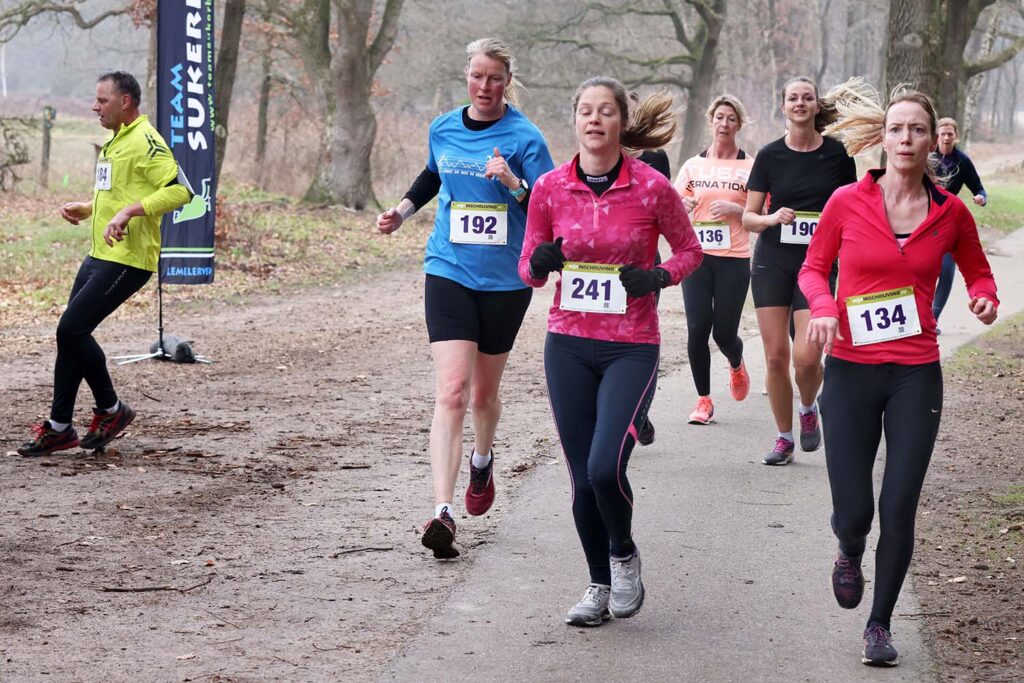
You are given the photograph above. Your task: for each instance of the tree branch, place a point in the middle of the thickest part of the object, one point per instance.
(385, 38)
(15, 19)
(996, 60)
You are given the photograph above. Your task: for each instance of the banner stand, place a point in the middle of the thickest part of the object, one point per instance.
(161, 352)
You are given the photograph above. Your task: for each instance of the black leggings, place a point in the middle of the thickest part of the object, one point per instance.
(100, 287)
(858, 402)
(713, 297)
(599, 393)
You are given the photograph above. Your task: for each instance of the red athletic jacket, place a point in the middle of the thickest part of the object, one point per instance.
(854, 228)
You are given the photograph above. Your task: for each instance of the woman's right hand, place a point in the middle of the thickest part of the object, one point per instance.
(784, 216)
(821, 332)
(389, 221)
(690, 203)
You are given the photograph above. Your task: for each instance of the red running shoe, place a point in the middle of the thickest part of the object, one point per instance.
(46, 440)
(480, 492)
(105, 426)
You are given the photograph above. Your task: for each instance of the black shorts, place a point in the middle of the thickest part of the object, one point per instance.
(491, 319)
(773, 275)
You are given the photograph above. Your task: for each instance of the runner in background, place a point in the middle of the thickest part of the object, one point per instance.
(137, 181)
(955, 170)
(658, 160)
(597, 219)
(799, 171)
(713, 185)
(882, 375)
(482, 159)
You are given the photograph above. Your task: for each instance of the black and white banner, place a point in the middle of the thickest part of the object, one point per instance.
(186, 120)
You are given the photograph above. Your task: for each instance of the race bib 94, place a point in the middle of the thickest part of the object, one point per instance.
(883, 316)
(103, 173)
(592, 288)
(800, 230)
(476, 223)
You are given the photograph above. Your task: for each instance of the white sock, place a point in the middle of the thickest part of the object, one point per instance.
(813, 408)
(480, 461)
(59, 426)
(111, 411)
(786, 435)
(441, 507)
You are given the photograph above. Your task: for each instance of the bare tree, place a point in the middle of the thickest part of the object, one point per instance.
(224, 73)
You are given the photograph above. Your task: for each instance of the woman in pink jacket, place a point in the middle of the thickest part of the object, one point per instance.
(597, 219)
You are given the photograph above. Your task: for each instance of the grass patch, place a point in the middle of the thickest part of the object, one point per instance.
(1005, 208)
(1013, 497)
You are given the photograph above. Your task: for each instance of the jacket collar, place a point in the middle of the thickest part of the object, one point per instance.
(625, 173)
(870, 183)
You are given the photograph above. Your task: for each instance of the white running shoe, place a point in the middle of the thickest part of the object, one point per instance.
(627, 589)
(592, 609)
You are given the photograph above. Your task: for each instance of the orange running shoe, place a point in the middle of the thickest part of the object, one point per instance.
(739, 382)
(703, 413)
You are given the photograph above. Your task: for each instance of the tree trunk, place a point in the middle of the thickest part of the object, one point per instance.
(701, 82)
(261, 116)
(970, 99)
(1013, 76)
(150, 92)
(224, 75)
(910, 50)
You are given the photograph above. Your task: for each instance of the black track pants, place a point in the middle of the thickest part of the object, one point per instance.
(858, 403)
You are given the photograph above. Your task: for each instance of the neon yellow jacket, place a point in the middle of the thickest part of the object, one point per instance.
(140, 170)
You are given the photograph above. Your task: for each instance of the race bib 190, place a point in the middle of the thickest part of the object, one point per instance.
(713, 235)
(475, 223)
(883, 316)
(800, 230)
(592, 288)
(103, 172)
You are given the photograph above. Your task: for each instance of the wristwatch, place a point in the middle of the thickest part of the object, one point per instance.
(521, 190)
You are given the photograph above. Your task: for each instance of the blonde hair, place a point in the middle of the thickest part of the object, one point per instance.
(649, 124)
(947, 121)
(729, 101)
(500, 51)
(861, 121)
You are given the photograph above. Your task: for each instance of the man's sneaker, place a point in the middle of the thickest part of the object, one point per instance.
(627, 593)
(739, 382)
(847, 581)
(105, 426)
(592, 609)
(46, 440)
(480, 492)
(810, 431)
(704, 411)
(439, 536)
(878, 649)
(781, 454)
(645, 435)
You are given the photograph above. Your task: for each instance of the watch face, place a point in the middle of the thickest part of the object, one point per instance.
(522, 184)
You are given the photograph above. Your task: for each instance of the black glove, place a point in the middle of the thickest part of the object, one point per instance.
(546, 257)
(639, 282)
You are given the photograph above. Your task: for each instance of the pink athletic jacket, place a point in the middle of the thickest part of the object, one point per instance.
(621, 227)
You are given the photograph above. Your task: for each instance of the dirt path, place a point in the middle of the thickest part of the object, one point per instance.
(263, 511)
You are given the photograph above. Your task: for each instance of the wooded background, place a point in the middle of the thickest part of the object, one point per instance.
(329, 100)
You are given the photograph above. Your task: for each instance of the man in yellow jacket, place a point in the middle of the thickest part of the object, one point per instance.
(137, 181)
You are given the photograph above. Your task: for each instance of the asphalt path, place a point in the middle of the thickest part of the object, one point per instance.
(736, 558)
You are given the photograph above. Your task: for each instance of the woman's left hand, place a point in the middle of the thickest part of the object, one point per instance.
(984, 309)
(721, 209)
(498, 168)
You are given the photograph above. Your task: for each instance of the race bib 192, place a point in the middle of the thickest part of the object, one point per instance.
(592, 288)
(713, 235)
(800, 230)
(883, 316)
(476, 223)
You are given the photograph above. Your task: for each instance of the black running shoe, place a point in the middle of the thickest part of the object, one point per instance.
(439, 536)
(878, 649)
(46, 440)
(847, 581)
(106, 426)
(645, 435)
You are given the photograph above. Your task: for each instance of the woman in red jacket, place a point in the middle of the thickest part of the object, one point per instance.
(889, 231)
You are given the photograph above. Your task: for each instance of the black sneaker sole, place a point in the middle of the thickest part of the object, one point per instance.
(30, 453)
(879, 662)
(788, 459)
(440, 539)
(589, 624)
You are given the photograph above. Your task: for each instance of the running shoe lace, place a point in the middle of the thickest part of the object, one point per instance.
(592, 595)
(877, 635)
(809, 421)
(849, 573)
(38, 430)
(782, 445)
(478, 479)
(96, 420)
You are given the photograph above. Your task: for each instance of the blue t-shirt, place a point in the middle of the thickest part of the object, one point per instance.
(458, 155)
